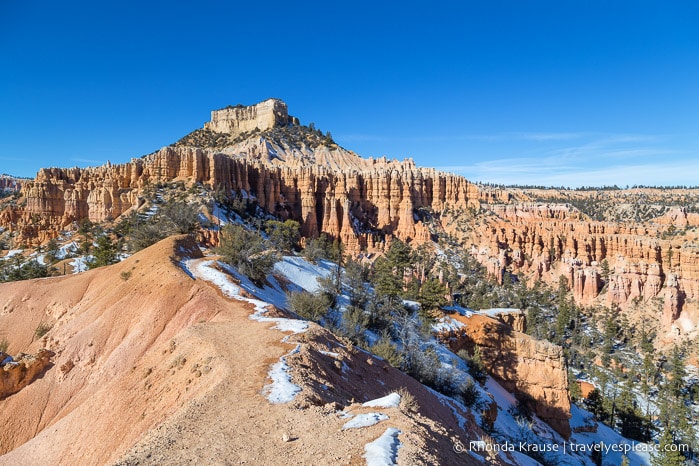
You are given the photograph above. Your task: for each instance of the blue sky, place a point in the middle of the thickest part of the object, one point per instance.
(555, 93)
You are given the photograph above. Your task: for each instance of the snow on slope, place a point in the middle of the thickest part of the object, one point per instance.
(609, 437)
(302, 273)
(365, 420)
(384, 450)
(281, 390)
(389, 401)
(510, 425)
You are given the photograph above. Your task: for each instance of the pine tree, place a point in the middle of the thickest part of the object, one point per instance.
(432, 295)
(104, 253)
(355, 277)
(386, 281)
(678, 372)
(632, 423)
(667, 454)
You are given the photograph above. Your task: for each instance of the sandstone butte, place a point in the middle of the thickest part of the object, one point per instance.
(366, 202)
(161, 368)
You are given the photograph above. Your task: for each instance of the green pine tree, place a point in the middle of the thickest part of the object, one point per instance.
(667, 454)
(104, 253)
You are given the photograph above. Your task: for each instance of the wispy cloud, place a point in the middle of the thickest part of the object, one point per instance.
(596, 159)
(548, 136)
(547, 172)
(88, 161)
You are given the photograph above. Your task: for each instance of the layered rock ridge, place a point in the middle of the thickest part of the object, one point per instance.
(617, 264)
(329, 189)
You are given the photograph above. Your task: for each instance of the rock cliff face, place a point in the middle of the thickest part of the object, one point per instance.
(10, 183)
(611, 263)
(534, 370)
(240, 119)
(360, 204)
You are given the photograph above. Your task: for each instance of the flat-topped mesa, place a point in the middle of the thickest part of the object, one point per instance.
(240, 119)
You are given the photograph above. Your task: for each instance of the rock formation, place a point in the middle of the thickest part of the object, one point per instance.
(17, 373)
(630, 262)
(241, 119)
(535, 371)
(360, 205)
(11, 183)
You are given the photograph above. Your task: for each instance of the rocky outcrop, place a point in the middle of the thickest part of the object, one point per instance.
(241, 119)
(515, 318)
(535, 371)
(11, 183)
(630, 262)
(362, 205)
(17, 373)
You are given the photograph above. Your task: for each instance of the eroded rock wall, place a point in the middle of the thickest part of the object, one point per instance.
(359, 206)
(630, 263)
(535, 371)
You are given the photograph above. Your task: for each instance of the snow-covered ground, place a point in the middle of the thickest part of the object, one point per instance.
(446, 324)
(281, 390)
(384, 450)
(389, 401)
(364, 420)
(302, 273)
(11, 252)
(79, 264)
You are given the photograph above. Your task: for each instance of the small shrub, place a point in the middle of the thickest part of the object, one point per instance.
(475, 364)
(308, 305)
(408, 403)
(468, 393)
(125, 275)
(248, 252)
(145, 234)
(323, 247)
(105, 253)
(4, 344)
(354, 323)
(283, 235)
(42, 329)
(423, 364)
(384, 348)
(181, 216)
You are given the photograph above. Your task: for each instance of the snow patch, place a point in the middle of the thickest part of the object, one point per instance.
(388, 401)
(281, 390)
(12, 252)
(67, 249)
(447, 324)
(302, 273)
(494, 312)
(461, 310)
(79, 264)
(365, 420)
(203, 269)
(384, 450)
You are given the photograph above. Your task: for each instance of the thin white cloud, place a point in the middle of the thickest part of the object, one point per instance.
(545, 173)
(88, 161)
(549, 136)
